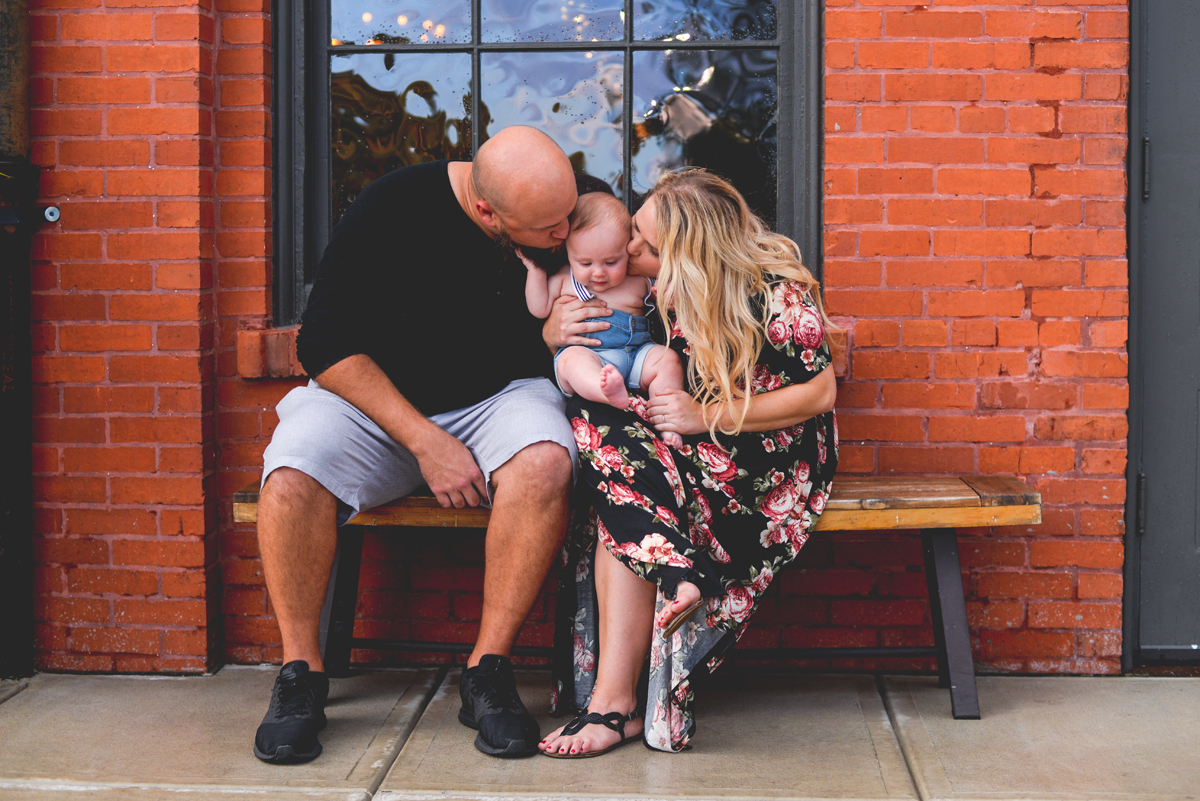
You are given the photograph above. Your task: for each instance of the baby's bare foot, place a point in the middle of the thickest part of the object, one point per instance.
(613, 387)
(672, 439)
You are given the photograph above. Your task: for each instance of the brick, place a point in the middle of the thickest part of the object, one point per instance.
(68, 307)
(64, 122)
(989, 182)
(1081, 427)
(1109, 334)
(1034, 273)
(156, 429)
(74, 183)
(1094, 119)
(934, 24)
(1024, 585)
(247, 182)
(837, 273)
(1103, 461)
(69, 489)
(159, 121)
(110, 90)
(895, 181)
(981, 365)
(158, 490)
(105, 337)
(977, 303)
(893, 55)
(1074, 615)
(882, 303)
(116, 640)
(66, 58)
(105, 215)
(853, 24)
(1073, 491)
(1095, 182)
(1105, 87)
(184, 89)
(1100, 585)
(1035, 86)
(936, 150)
(1040, 213)
(884, 118)
(245, 30)
(183, 27)
(155, 183)
(1081, 302)
(159, 246)
(838, 211)
(932, 86)
(925, 333)
(876, 333)
(1081, 55)
(250, 153)
(1102, 523)
(996, 615)
(894, 243)
(1104, 151)
(889, 612)
(1105, 396)
(1101, 213)
(1032, 119)
(243, 123)
(838, 55)
(57, 369)
(852, 87)
(104, 399)
(1034, 24)
(1086, 365)
(981, 55)
(976, 429)
(935, 212)
(939, 460)
(929, 396)
(981, 243)
(1016, 644)
(942, 272)
(244, 61)
(1107, 24)
(991, 554)
(1059, 333)
(245, 92)
(886, 428)
(973, 333)
(109, 521)
(1096, 643)
(869, 364)
(158, 553)
(106, 27)
(109, 460)
(935, 119)
(1025, 150)
(159, 58)
(164, 369)
(185, 214)
(101, 581)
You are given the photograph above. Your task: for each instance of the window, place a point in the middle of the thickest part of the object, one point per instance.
(628, 88)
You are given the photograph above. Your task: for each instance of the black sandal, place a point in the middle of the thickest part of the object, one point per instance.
(612, 720)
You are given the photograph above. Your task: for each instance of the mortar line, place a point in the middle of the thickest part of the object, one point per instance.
(909, 761)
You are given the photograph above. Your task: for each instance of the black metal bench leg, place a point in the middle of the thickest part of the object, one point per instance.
(337, 615)
(948, 608)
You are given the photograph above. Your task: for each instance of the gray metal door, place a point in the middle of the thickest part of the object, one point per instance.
(1168, 289)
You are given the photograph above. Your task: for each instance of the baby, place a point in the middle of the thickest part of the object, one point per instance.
(597, 261)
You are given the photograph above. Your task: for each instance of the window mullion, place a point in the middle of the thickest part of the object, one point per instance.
(476, 78)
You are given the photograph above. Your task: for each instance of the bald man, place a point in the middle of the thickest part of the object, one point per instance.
(427, 369)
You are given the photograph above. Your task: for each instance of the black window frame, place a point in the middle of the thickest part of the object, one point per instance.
(301, 125)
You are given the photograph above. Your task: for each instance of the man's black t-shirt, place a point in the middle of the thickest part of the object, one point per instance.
(411, 281)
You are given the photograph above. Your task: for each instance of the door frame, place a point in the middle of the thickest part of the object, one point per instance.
(1135, 169)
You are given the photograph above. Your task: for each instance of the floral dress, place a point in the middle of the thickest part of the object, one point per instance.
(725, 516)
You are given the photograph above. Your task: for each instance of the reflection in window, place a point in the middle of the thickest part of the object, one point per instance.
(704, 20)
(575, 97)
(384, 22)
(393, 110)
(708, 108)
(552, 20)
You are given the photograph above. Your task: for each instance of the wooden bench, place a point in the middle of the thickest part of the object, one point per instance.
(935, 507)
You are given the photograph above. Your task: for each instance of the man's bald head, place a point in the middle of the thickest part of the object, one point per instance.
(524, 178)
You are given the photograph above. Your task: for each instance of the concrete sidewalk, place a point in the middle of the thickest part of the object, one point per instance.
(394, 736)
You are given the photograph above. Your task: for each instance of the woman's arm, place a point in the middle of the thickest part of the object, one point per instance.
(676, 410)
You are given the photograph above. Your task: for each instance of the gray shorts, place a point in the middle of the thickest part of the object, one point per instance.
(328, 438)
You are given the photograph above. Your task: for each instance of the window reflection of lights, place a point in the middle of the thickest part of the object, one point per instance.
(367, 16)
(427, 24)
(335, 42)
(424, 37)
(579, 18)
(588, 55)
(439, 31)
(706, 76)
(403, 20)
(683, 37)
(622, 16)
(372, 42)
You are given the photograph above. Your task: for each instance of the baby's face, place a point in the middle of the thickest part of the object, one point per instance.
(598, 256)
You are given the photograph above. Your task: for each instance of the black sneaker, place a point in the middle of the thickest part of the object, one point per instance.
(288, 733)
(490, 704)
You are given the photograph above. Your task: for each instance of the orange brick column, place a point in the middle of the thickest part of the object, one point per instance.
(123, 306)
(975, 251)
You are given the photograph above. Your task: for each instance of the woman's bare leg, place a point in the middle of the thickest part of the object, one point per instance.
(626, 618)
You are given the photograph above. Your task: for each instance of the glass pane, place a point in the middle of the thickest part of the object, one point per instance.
(574, 97)
(703, 20)
(400, 21)
(391, 110)
(708, 108)
(552, 20)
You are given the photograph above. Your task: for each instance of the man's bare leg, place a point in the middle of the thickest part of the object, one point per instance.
(529, 518)
(297, 538)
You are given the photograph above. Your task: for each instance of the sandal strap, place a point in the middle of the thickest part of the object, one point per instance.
(612, 720)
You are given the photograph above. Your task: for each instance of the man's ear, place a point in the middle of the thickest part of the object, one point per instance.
(487, 214)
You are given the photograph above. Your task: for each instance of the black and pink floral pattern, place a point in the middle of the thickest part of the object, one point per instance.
(726, 516)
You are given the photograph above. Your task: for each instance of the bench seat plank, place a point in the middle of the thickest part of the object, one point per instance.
(857, 503)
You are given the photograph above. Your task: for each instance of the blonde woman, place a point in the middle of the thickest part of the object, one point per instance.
(682, 542)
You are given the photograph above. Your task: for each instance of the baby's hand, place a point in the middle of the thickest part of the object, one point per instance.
(529, 265)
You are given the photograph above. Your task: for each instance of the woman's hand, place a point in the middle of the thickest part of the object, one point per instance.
(565, 325)
(675, 410)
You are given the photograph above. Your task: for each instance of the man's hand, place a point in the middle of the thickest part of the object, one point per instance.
(565, 325)
(449, 469)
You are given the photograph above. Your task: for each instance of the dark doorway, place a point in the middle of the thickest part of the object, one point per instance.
(1163, 597)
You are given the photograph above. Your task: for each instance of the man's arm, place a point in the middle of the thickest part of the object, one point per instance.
(446, 464)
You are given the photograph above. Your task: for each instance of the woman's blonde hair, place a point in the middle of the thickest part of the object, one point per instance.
(717, 257)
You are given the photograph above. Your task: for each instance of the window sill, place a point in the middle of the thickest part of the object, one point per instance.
(268, 353)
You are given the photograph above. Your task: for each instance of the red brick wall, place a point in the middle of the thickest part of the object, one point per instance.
(975, 254)
(975, 249)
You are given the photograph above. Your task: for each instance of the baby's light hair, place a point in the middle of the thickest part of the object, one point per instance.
(597, 207)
